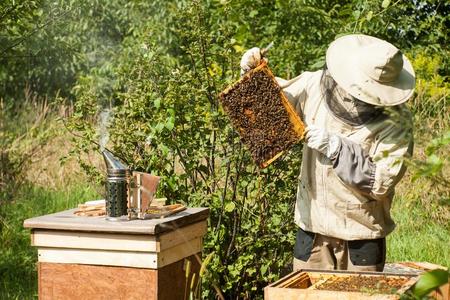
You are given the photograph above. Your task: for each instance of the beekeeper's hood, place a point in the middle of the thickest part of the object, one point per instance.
(371, 70)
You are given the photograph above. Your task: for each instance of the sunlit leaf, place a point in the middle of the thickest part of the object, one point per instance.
(230, 206)
(238, 48)
(170, 124)
(205, 264)
(430, 281)
(385, 3)
(157, 102)
(253, 13)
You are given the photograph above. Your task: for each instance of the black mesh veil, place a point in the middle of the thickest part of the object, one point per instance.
(343, 105)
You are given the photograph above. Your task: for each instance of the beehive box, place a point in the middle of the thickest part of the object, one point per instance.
(327, 285)
(262, 115)
(84, 258)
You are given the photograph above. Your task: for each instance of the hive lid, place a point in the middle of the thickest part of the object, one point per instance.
(67, 220)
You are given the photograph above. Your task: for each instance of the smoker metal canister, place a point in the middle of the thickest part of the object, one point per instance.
(116, 194)
(117, 182)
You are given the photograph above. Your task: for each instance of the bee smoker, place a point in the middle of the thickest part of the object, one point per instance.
(128, 194)
(117, 188)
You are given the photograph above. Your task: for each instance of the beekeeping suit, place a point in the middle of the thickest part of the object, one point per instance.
(359, 131)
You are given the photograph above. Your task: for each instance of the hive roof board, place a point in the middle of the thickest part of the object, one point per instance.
(67, 220)
(262, 115)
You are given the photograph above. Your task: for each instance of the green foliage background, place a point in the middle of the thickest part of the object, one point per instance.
(159, 66)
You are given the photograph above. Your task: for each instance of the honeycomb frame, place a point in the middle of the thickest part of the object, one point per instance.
(259, 111)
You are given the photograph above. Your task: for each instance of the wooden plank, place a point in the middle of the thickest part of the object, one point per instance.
(66, 220)
(178, 252)
(163, 211)
(94, 240)
(443, 293)
(302, 281)
(116, 241)
(182, 235)
(274, 293)
(98, 257)
(151, 260)
(85, 282)
(172, 281)
(40, 283)
(423, 265)
(80, 282)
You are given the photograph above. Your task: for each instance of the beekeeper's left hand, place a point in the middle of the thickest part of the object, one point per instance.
(319, 139)
(251, 59)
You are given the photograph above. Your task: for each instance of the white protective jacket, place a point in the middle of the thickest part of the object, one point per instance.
(350, 197)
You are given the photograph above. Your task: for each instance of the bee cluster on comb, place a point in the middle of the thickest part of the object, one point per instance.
(259, 111)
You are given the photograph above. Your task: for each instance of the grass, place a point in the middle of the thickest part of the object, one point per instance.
(422, 213)
(18, 275)
(418, 237)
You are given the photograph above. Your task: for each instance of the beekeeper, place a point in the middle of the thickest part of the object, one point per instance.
(358, 132)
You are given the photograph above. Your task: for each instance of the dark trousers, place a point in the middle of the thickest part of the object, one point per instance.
(316, 251)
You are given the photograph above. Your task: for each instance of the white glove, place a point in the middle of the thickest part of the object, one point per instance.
(320, 140)
(250, 60)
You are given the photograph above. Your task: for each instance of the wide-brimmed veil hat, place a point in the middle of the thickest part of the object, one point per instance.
(371, 70)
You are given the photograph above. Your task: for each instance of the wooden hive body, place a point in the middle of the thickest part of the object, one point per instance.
(395, 282)
(317, 284)
(93, 258)
(260, 112)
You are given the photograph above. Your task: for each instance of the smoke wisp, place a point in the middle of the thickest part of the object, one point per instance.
(103, 124)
